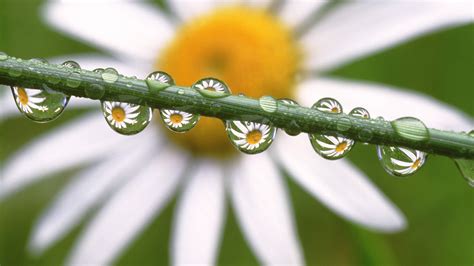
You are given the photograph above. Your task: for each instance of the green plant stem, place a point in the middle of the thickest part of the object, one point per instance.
(33, 74)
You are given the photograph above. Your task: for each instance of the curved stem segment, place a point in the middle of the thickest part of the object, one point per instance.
(35, 74)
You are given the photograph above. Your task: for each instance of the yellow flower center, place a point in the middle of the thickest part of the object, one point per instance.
(176, 118)
(254, 137)
(22, 96)
(416, 164)
(335, 110)
(341, 146)
(118, 114)
(248, 49)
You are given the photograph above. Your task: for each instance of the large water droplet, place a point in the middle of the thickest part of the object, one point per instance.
(178, 121)
(250, 137)
(466, 167)
(158, 81)
(410, 128)
(291, 132)
(268, 104)
(126, 118)
(399, 161)
(212, 88)
(109, 75)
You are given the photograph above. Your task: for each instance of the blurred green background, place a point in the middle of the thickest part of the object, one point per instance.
(437, 202)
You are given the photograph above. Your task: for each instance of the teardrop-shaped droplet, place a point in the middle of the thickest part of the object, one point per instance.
(466, 167)
(399, 161)
(126, 118)
(250, 137)
(331, 147)
(291, 132)
(158, 81)
(360, 112)
(410, 128)
(212, 88)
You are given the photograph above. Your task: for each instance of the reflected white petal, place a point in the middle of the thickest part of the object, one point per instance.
(293, 13)
(338, 184)
(263, 210)
(199, 217)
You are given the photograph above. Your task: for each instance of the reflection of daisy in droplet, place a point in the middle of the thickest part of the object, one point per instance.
(336, 146)
(210, 84)
(417, 159)
(120, 114)
(27, 99)
(329, 105)
(251, 135)
(360, 112)
(176, 119)
(161, 77)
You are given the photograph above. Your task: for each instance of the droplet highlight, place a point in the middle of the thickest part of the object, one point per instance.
(399, 161)
(250, 137)
(211, 88)
(410, 128)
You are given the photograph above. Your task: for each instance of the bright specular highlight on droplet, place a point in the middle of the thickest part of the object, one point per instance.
(250, 137)
(399, 161)
(126, 118)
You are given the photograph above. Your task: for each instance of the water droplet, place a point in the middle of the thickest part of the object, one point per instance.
(126, 118)
(95, 91)
(53, 79)
(365, 134)
(268, 104)
(3, 56)
(399, 161)
(158, 81)
(410, 128)
(15, 72)
(74, 78)
(466, 167)
(250, 137)
(328, 105)
(211, 88)
(471, 133)
(343, 124)
(360, 112)
(110, 75)
(98, 70)
(293, 123)
(178, 121)
(71, 64)
(39, 105)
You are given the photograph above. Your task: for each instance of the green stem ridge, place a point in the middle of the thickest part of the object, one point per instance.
(36, 74)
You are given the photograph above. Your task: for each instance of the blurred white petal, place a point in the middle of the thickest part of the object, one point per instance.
(79, 142)
(258, 3)
(356, 29)
(337, 184)
(199, 216)
(382, 100)
(87, 190)
(130, 210)
(135, 29)
(293, 13)
(263, 210)
(189, 9)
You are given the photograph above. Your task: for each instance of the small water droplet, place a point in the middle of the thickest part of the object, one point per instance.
(360, 112)
(98, 70)
(126, 118)
(293, 123)
(399, 161)
(410, 128)
(343, 124)
(178, 121)
(466, 167)
(71, 64)
(53, 79)
(39, 105)
(328, 105)
(268, 104)
(3, 56)
(158, 81)
(211, 88)
(180, 91)
(110, 75)
(250, 137)
(95, 91)
(365, 134)
(74, 78)
(15, 72)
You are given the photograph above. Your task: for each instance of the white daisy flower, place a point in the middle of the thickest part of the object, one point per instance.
(250, 135)
(258, 55)
(175, 118)
(28, 99)
(120, 114)
(336, 146)
(417, 159)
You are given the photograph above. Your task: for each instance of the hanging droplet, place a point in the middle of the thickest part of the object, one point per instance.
(158, 81)
(291, 132)
(109, 75)
(466, 167)
(360, 112)
(399, 161)
(250, 137)
(331, 147)
(410, 128)
(268, 104)
(126, 118)
(212, 88)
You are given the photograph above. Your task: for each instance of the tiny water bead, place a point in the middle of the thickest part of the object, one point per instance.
(126, 118)
(291, 132)
(360, 112)
(399, 161)
(250, 137)
(109, 75)
(212, 88)
(268, 104)
(410, 128)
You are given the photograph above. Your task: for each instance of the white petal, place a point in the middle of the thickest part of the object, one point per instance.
(356, 29)
(130, 210)
(293, 13)
(389, 102)
(263, 210)
(200, 215)
(338, 185)
(81, 141)
(87, 190)
(189, 9)
(135, 29)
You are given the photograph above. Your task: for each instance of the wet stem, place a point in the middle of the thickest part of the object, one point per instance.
(281, 114)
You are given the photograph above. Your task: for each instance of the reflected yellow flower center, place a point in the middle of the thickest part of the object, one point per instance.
(254, 137)
(250, 50)
(118, 114)
(341, 146)
(335, 110)
(22, 96)
(416, 164)
(176, 118)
